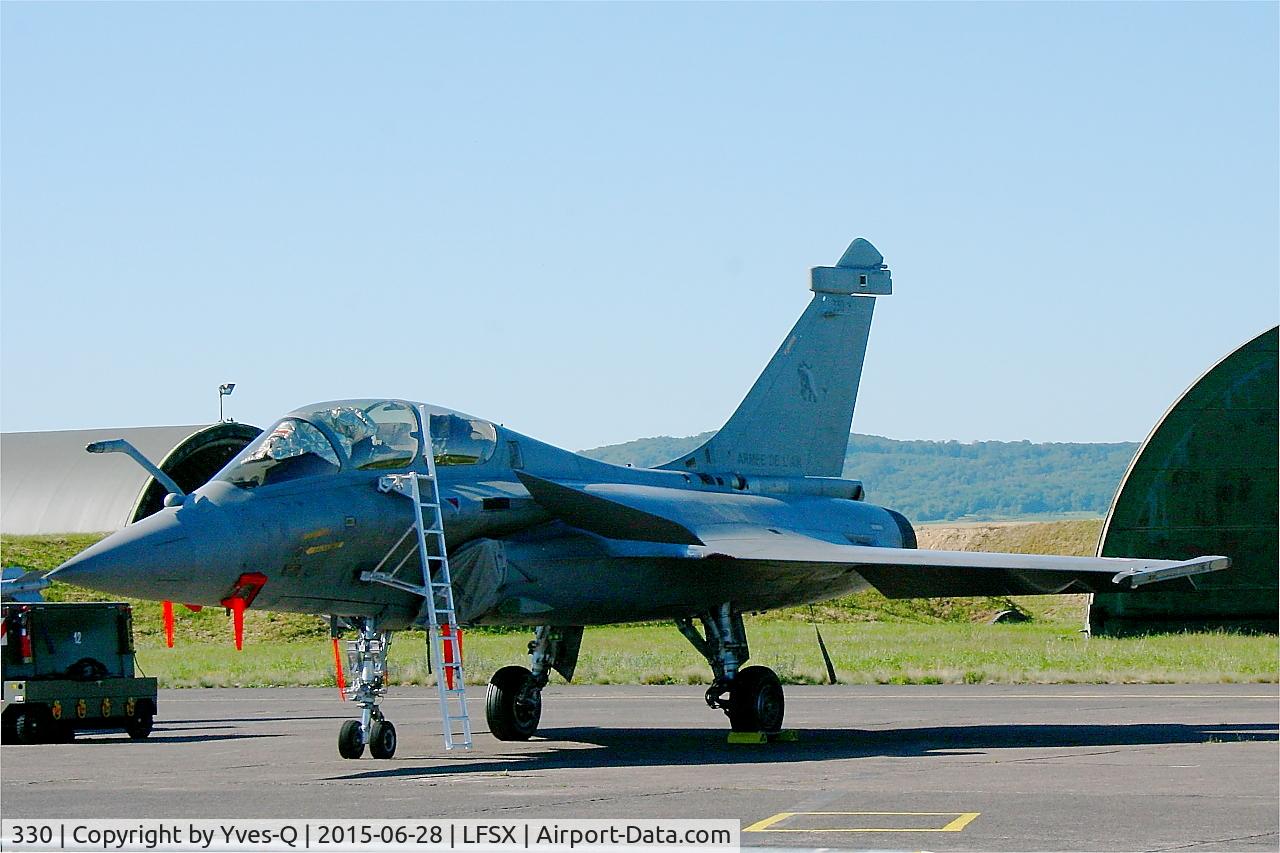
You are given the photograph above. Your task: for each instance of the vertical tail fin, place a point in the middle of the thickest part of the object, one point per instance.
(795, 420)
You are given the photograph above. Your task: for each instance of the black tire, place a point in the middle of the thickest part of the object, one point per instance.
(382, 739)
(9, 721)
(143, 720)
(508, 719)
(33, 724)
(350, 743)
(755, 701)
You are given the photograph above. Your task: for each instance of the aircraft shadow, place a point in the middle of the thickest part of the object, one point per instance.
(667, 747)
(161, 738)
(203, 721)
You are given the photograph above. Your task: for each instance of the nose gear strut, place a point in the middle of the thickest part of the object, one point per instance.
(368, 655)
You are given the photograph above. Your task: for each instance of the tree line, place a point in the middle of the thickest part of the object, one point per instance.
(948, 480)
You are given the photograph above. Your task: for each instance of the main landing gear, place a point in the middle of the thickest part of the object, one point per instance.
(513, 704)
(751, 696)
(369, 685)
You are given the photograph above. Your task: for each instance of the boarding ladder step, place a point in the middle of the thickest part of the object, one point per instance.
(432, 581)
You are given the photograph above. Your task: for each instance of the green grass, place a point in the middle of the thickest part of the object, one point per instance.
(865, 653)
(871, 639)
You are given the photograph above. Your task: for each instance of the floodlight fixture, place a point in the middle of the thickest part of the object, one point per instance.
(224, 390)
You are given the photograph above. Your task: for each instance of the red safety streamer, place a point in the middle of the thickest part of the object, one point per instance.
(445, 632)
(242, 595)
(337, 668)
(237, 606)
(167, 609)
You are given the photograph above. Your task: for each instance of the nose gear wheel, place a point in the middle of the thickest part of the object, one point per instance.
(350, 740)
(382, 739)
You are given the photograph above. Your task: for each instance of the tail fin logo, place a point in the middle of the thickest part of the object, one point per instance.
(807, 387)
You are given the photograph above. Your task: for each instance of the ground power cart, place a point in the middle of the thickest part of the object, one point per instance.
(69, 668)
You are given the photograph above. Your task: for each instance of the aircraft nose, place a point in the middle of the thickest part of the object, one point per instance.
(180, 553)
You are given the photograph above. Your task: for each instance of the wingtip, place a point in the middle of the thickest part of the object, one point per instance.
(1132, 578)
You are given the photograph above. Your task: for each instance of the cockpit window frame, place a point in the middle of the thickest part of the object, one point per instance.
(489, 440)
(322, 415)
(488, 436)
(339, 461)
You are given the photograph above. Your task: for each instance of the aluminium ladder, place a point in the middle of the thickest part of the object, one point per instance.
(436, 587)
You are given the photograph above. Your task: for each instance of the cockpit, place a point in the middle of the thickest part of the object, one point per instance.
(357, 435)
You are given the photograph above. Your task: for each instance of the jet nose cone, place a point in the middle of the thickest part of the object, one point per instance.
(130, 560)
(168, 555)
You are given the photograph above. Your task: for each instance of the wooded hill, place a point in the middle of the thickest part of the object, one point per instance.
(949, 481)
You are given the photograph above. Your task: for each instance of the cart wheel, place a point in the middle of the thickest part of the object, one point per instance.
(350, 742)
(139, 725)
(9, 732)
(34, 724)
(382, 739)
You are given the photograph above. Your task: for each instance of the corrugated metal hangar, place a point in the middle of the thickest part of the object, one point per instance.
(49, 484)
(1205, 482)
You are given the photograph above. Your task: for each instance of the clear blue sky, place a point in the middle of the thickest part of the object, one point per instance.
(594, 222)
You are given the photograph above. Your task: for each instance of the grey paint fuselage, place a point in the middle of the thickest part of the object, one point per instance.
(313, 537)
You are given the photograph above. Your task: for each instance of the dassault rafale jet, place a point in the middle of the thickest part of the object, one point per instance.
(312, 517)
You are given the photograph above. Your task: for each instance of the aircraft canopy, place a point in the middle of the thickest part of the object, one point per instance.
(357, 435)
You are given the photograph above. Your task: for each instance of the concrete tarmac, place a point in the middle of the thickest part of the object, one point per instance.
(1154, 767)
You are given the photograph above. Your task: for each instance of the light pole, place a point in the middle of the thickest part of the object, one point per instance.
(224, 390)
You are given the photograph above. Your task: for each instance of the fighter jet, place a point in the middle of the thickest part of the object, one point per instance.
(307, 519)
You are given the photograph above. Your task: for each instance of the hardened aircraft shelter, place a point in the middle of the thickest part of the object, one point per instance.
(49, 484)
(1205, 482)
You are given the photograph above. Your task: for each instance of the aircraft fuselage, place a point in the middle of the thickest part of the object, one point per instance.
(312, 537)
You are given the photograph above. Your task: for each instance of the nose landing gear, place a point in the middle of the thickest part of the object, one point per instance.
(369, 686)
(751, 697)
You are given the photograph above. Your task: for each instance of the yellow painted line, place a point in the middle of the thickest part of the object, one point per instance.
(320, 549)
(962, 820)
(316, 534)
(763, 825)
(959, 820)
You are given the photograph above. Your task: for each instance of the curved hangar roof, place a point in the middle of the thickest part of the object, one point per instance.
(1205, 482)
(49, 484)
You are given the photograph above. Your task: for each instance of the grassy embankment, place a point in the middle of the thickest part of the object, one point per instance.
(871, 639)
